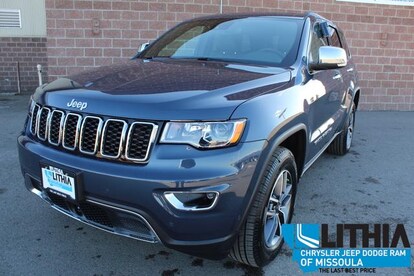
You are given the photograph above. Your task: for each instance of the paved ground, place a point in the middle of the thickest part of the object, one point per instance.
(372, 184)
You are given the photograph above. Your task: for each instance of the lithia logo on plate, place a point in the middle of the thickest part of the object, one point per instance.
(58, 179)
(356, 248)
(58, 175)
(78, 105)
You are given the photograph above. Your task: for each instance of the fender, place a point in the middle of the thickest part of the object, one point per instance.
(265, 157)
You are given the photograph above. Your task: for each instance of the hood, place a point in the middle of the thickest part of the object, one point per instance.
(163, 89)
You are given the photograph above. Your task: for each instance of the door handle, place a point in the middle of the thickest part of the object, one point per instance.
(337, 76)
(350, 70)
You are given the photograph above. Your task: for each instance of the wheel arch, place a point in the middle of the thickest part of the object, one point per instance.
(292, 138)
(285, 138)
(356, 97)
(296, 143)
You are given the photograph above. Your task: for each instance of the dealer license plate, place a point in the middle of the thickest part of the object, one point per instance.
(59, 181)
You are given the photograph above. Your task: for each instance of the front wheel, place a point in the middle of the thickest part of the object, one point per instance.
(261, 236)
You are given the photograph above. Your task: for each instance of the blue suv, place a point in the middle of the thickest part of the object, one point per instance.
(199, 141)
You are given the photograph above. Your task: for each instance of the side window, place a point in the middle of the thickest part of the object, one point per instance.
(334, 38)
(344, 43)
(316, 43)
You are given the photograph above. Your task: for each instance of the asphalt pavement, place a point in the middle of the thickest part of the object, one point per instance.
(373, 183)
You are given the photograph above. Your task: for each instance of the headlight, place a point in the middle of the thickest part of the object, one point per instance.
(204, 134)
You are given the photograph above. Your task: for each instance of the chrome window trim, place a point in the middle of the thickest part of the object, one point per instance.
(47, 122)
(60, 127)
(76, 132)
(97, 138)
(121, 142)
(150, 143)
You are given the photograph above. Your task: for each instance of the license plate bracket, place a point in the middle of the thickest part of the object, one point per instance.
(60, 181)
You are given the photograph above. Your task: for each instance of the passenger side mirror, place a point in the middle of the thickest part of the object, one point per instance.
(141, 48)
(330, 58)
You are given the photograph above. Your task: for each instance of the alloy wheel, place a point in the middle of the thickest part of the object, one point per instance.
(278, 208)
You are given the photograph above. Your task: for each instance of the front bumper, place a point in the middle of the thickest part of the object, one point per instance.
(127, 199)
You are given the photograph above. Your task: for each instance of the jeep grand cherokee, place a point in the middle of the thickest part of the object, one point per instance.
(200, 140)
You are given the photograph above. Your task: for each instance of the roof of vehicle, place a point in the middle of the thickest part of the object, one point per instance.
(246, 15)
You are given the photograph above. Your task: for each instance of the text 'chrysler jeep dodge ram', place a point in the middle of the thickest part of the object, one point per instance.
(199, 141)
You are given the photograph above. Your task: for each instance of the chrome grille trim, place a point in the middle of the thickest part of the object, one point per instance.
(150, 144)
(78, 124)
(39, 122)
(60, 130)
(97, 137)
(136, 138)
(121, 142)
(34, 112)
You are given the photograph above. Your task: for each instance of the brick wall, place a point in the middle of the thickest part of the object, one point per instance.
(381, 37)
(28, 52)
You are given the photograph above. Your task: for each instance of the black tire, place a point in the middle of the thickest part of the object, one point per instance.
(343, 142)
(251, 246)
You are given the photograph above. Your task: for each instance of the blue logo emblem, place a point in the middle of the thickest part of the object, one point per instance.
(314, 250)
(302, 235)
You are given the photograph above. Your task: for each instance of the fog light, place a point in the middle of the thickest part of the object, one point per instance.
(192, 201)
(211, 195)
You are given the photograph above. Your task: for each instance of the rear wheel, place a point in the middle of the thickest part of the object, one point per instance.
(343, 142)
(261, 236)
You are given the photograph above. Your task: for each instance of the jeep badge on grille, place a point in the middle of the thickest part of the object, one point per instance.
(78, 105)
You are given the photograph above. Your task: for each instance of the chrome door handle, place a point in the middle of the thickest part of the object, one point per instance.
(350, 70)
(337, 76)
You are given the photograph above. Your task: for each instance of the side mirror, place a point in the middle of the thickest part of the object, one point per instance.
(330, 58)
(141, 48)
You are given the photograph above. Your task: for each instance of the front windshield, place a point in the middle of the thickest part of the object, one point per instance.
(265, 40)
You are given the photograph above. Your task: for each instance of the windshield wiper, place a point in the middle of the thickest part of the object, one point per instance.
(204, 59)
(236, 61)
(152, 57)
(208, 59)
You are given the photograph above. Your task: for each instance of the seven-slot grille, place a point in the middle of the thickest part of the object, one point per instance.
(112, 138)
